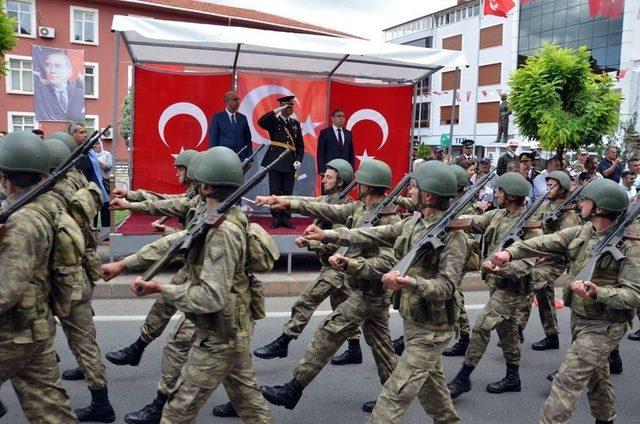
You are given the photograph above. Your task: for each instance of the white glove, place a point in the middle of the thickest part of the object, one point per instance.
(296, 164)
(278, 109)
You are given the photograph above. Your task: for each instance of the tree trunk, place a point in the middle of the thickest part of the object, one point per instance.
(559, 156)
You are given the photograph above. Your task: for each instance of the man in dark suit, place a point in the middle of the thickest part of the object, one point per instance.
(57, 97)
(285, 134)
(230, 128)
(335, 142)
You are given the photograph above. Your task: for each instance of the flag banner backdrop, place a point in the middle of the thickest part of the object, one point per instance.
(172, 113)
(380, 119)
(258, 95)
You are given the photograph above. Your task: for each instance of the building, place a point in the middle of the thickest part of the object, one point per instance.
(495, 46)
(86, 25)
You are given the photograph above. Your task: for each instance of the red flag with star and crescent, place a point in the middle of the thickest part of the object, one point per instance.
(498, 7)
(172, 113)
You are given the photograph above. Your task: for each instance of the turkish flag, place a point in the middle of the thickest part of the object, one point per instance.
(380, 119)
(498, 7)
(606, 8)
(258, 95)
(172, 113)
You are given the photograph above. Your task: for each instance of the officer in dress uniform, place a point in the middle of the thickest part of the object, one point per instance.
(467, 152)
(284, 133)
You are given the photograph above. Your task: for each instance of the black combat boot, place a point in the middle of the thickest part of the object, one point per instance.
(287, 395)
(3, 409)
(461, 383)
(353, 355)
(510, 382)
(368, 406)
(635, 336)
(226, 410)
(99, 410)
(73, 374)
(615, 362)
(552, 376)
(459, 348)
(398, 345)
(150, 414)
(549, 342)
(130, 355)
(278, 348)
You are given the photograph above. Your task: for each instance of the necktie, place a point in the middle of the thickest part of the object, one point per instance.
(340, 140)
(62, 98)
(233, 118)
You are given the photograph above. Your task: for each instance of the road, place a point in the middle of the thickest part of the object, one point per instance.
(338, 392)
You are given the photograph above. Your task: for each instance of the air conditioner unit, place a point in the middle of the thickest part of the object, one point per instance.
(46, 32)
(108, 135)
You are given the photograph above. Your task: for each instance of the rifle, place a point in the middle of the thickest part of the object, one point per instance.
(241, 151)
(433, 238)
(610, 243)
(246, 164)
(341, 196)
(552, 216)
(55, 175)
(373, 216)
(211, 219)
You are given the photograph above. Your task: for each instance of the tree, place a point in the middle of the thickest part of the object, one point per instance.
(8, 38)
(558, 100)
(125, 118)
(424, 151)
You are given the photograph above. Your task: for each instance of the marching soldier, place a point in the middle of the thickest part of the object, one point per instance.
(284, 133)
(601, 309)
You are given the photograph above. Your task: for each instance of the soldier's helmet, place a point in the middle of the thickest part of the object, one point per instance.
(436, 178)
(460, 174)
(193, 164)
(343, 168)
(23, 151)
(513, 184)
(561, 177)
(184, 158)
(374, 173)
(58, 152)
(605, 194)
(65, 138)
(219, 166)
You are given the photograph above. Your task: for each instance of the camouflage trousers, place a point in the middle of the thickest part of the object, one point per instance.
(34, 374)
(418, 373)
(500, 313)
(80, 332)
(210, 363)
(330, 283)
(543, 276)
(585, 366)
(365, 310)
(463, 318)
(176, 353)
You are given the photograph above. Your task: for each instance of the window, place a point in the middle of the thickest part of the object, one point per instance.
(420, 42)
(91, 123)
(488, 112)
(21, 121)
(491, 36)
(449, 80)
(84, 25)
(24, 13)
(422, 115)
(19, 74)
(489, 74)
(445, 115)
(91, 81)
(452, 43)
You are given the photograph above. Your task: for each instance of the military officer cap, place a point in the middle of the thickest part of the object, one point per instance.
(526, 156)
(485, 160)
(468, 143)
(286, 99)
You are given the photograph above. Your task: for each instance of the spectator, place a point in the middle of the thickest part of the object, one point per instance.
(39, 133)
(583, 178)
(540, 181)
(88, 164)
(470, 166)
(105, 162)
(628, 183)
(437, 154)
(578, 165)
(590, 168)
(633, 164)
(510, 155)
(609, 167)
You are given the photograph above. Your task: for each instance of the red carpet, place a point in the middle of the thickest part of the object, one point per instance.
(139, 224)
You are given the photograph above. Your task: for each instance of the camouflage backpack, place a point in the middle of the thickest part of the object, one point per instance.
(84, 205)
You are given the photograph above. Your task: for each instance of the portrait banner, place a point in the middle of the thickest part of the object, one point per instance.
(58, 90)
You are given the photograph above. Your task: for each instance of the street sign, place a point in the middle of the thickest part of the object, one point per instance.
(445, 140)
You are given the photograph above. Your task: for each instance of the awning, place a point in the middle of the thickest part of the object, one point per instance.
(190, 44)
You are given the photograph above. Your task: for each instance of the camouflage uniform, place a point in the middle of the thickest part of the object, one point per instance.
(366, 307)
(179, 206)
(216, 299)
(27, 354)
(597, 325)
(429, 310)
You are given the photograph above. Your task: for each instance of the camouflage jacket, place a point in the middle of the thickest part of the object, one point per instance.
(142, 195)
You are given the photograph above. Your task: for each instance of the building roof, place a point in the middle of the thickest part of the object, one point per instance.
(437, 12)
(238, 13)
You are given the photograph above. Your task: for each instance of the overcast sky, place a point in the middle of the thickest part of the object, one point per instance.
(365, 18)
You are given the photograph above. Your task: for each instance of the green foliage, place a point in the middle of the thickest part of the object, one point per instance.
(125, 117)
(424, 151)
(8, 38)
(558, 100)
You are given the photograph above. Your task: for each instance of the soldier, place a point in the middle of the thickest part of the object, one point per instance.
(284, 133)
(467, 152)
(216, 299)
(508, 289)
(601, 309)
(427, 294)
(367, 306)
(27, 328)
(503, 122)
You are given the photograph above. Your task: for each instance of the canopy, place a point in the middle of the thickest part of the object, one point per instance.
(185, 43)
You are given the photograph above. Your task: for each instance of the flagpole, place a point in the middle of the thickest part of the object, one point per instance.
(453, 109)
(475, 112)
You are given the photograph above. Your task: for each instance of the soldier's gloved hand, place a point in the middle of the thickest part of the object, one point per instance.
(501, 258)
(119, 204)
(338, 261)
(280, 109)
(112, 270)
(302, 242)
(120, 192)
(297, 165)
(140, 288)
(313, 232)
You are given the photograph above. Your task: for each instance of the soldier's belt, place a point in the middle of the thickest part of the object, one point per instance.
(283, 145)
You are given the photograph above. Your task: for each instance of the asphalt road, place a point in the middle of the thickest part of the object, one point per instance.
(338, 392)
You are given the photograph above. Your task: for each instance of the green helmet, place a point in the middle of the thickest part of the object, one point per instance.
(374, 173)
(561, 177)
(514, 184)
(184, 158)
(219, 166)
(23, 151)
(66, 138)
(460, 174)
(437, 178)
(193, 164)
(343, 168)
(58, 151)
(606, 194)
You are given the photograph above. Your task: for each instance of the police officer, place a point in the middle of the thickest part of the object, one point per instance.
(285, 134)
(467, 152)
